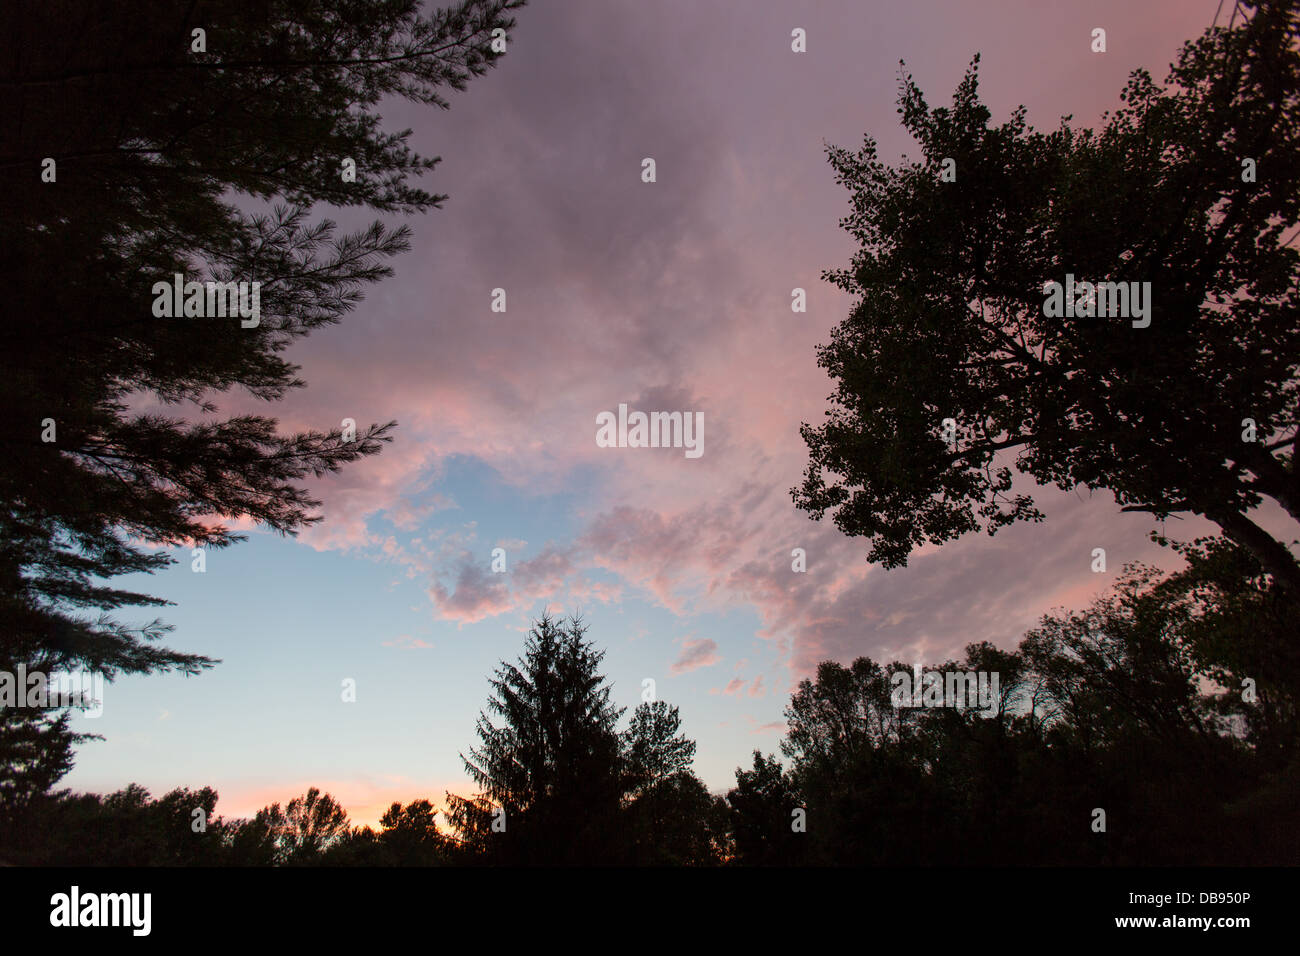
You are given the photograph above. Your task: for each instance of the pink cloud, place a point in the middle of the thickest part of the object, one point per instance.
(407, 642)
(687, 319)
(696, 654)
(478, 594)
(734, 687)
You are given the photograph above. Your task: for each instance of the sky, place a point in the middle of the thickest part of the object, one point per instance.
(666, 296)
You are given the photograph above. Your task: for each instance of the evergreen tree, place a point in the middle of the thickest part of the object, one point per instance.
(36, 752)
(173, 156)
(549, 775)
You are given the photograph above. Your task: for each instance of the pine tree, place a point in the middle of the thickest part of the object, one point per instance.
(205, 162)
(36, 750)
(549, 775)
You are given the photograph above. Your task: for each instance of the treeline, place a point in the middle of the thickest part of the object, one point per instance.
(1159, 726)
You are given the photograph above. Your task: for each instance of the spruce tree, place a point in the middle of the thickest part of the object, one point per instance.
(549, 774)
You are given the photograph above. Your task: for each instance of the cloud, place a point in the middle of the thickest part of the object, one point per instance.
(407, 642)
(477, 594)
(659, 306)
(696, 654)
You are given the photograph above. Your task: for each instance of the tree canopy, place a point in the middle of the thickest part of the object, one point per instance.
(1192, 187)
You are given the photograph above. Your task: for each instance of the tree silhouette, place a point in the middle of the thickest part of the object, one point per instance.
(411, 833)
(126, 828)
(409, 837)
(35, 753)
(1240, 629)
(165, 156)
(673, 822)
(1122, 706)
(762, 805)
(304, 829)
(653, 748)
(549, 775)
(1135, 705)
(669, 812)
(950, 320)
